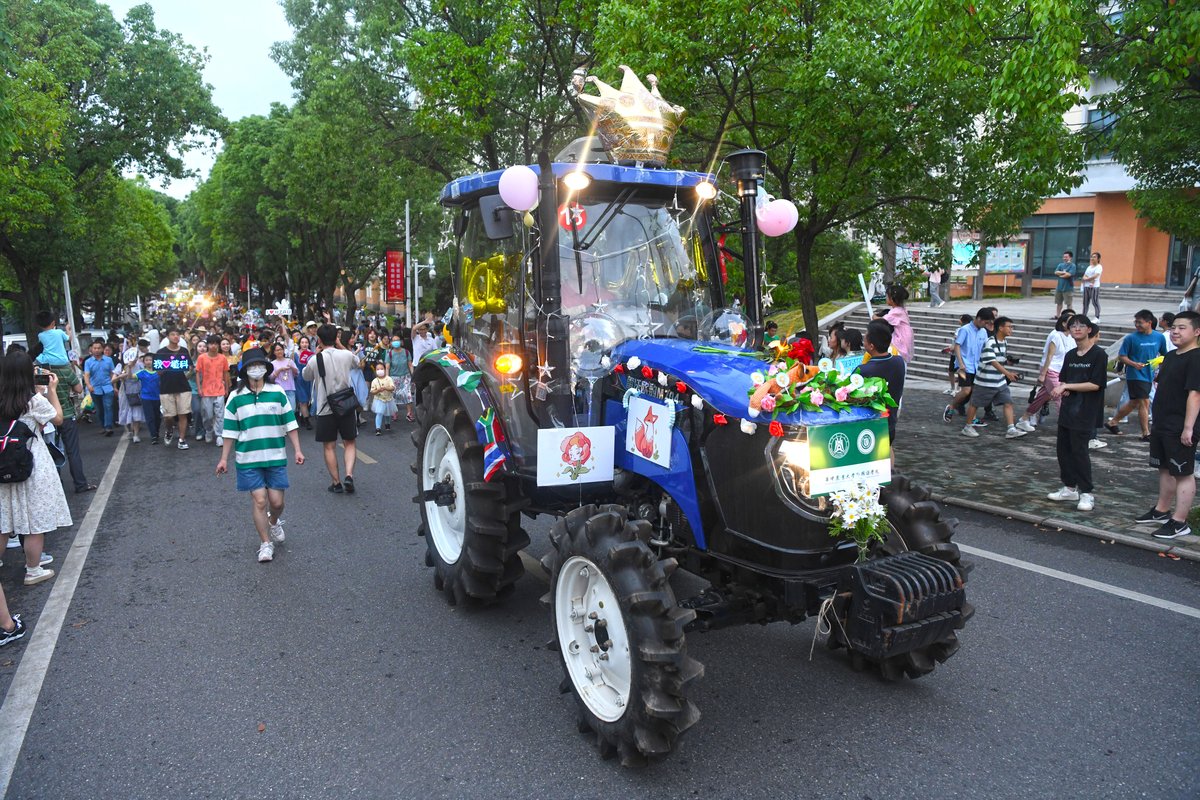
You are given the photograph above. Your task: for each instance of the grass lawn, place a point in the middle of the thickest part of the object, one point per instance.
(792, 319)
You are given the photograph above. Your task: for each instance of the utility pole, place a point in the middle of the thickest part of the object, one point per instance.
(70, 311)
(412, 297)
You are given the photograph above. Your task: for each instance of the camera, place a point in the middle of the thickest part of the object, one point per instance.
(42, 379)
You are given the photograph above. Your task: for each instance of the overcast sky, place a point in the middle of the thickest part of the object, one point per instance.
(238, 35)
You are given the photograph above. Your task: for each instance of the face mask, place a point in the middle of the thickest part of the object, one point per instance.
(379, 372)
(256, 372)
(397, 345)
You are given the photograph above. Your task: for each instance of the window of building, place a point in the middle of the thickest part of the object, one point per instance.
(1185, 260)
(1051, 234)
(1100, 132)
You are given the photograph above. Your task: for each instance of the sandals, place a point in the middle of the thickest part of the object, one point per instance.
(411, 418)
(1113, 428)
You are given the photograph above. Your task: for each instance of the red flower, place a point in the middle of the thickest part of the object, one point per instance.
(619, 369)
(647, 373)
(802, 351)
(775, 428)
(885, 414)
(681, 387)
(720, 419)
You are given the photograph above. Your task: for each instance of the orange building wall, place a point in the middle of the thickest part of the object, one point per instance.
(1133, 253)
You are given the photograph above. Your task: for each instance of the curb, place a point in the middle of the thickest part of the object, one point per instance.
(1072, 527)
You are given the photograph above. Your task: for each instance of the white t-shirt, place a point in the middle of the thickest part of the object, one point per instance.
(1091, 276)
(422, 345)
(1062, 343)
(152, 336)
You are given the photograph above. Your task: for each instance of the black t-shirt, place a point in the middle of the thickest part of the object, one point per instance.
(174, 381)
(892, 369)
(1179, 374)
(1079, 409)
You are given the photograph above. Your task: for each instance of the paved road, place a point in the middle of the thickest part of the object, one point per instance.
(185, 669)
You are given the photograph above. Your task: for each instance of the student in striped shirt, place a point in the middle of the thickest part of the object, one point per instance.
(258, 421)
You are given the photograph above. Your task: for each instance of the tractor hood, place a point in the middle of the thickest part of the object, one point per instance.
(722, 379)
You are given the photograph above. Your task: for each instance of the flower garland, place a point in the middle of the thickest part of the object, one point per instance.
(858, 515)
(792, 384)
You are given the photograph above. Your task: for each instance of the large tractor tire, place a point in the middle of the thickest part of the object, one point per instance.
(916, 524)
(473, 538)
(620, 634)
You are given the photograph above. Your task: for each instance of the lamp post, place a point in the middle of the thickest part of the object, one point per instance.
(747, 168)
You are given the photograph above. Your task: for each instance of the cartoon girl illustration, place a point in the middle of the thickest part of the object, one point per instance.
(576, 452)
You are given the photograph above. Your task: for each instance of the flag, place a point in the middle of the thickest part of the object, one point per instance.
(487, 428)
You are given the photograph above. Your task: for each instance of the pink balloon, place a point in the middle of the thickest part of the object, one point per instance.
(519, 188)
(777, 218)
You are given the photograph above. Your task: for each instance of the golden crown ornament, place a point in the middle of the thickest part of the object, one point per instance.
(635, 124)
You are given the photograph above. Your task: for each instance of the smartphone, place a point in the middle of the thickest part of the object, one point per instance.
(42, 380)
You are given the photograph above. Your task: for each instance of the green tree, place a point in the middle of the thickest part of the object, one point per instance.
(93, 98)
(1151, 119)
(908, 115)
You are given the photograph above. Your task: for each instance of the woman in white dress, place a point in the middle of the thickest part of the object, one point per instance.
(37, 505)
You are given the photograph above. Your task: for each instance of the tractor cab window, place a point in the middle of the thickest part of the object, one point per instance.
(639, 263)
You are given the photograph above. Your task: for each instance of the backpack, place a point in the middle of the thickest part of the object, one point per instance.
(16, 457)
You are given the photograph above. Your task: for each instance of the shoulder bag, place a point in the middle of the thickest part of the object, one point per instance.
(341, 402)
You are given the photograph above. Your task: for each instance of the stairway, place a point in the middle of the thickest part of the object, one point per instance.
(934, 330)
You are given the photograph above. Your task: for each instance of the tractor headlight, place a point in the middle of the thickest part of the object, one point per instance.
(792, 467)
(795, 453)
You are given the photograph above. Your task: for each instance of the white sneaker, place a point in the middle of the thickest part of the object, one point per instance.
(199, 437)
(1096, 444)
(137, 439)
(37, 575)
(969, 430)
(277, 534)
(220, 441)
(1065, 493)
(1027, 426)
(1014, 432)
(14, 543)
(266, 552)
(1086, 502)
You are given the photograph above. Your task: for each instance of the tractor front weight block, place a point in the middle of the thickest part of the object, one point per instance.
(900, 603)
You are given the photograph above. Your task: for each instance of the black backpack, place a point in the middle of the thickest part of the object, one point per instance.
(16, 456)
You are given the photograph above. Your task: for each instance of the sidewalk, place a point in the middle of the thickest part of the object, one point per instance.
(1013, 476)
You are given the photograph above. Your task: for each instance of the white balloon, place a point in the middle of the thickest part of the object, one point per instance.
(519, 188)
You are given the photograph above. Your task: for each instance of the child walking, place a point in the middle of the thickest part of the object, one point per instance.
(383, 403)
(258, 419)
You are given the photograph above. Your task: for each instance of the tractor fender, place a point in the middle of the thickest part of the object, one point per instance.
(468, 383)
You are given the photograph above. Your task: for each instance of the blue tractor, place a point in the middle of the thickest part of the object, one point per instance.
(598, 372)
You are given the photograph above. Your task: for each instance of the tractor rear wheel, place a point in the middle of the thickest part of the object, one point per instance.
(473, 535)
(620, 634)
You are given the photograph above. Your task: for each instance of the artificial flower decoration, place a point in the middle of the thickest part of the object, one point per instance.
(619, 369)
(748, 427)
(647, 373)
(801, 350)
(634, 362)
(775, 428)
(800, 387)
(768, 403)
(825, 364)
(681, 387)
(662, 379)
(697, 402)
(757, 378)
(720, 419)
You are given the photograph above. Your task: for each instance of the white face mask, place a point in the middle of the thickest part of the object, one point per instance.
(380, 373)
(256, 372)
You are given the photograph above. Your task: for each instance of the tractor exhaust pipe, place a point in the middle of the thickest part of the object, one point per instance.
(747, 168)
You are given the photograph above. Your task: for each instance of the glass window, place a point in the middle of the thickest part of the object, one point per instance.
(1051, 234)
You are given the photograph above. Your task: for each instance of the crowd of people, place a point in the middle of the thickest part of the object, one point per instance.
(240, 384)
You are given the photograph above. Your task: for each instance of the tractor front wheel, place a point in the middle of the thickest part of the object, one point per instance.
(620, 634)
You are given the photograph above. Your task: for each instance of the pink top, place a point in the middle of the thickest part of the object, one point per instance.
(902, 335)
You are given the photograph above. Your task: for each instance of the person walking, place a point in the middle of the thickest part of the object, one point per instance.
(935, 275)
(258, 421)
(383, 402)
(1174, 433)
(1058, 341)
(148, 391)
(968, 346)
(992, 379)
(175, 393)
(1081, 390)
(329, 372)
(1091, 285)
(303, 387)
(97, 376)
(1138, 349)
(399, 367)
(284, 372)
(1067, 271)
(212, 377)
(129, 396)
(37, 505)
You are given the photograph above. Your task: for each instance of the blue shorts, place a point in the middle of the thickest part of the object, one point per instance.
(251, 478)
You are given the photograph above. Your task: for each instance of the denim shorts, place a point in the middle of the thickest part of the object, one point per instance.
(251, 478)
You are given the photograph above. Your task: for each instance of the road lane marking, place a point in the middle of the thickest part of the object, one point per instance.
(22, 697)
(1178, 608)
(363, 457)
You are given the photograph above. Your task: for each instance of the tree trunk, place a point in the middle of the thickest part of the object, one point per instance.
(351, 302)
(808, 303)
(889, 259)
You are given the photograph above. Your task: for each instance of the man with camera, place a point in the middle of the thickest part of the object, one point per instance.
(992, 379)
(335, 405)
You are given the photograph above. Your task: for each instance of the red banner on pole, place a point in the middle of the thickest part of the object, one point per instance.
(243, 283)
(394, 283)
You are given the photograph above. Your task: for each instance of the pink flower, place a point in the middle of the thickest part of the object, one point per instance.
(817, 398)
(842, 393)
(768, 403)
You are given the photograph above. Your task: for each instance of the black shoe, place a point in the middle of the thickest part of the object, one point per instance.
(88, 487)
(1113, 428)
(349, 483)
(336, 488)
(1172, 530)
(1153, 517)
(378, 432)
(17, 632)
